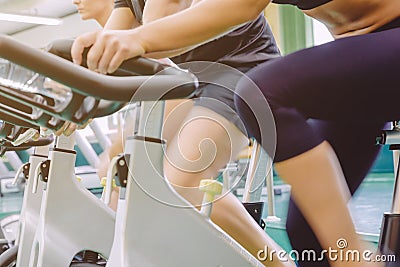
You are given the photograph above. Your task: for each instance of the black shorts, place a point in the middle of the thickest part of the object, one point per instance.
(218, 83)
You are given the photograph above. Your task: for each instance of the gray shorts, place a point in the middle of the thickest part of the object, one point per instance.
(218, 84)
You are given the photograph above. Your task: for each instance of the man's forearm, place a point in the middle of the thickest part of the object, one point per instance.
(203, 22)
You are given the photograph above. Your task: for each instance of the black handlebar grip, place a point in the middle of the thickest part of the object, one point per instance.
(135, 66)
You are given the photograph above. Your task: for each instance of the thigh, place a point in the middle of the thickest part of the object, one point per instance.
(175, 112)
(203, 145)
(350, 79)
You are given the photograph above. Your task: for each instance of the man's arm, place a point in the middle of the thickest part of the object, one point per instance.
(122, 17)
(204, 21)
(193, 26)
(156, 9)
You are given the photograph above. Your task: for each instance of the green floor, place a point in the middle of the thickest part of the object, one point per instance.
(372, 199)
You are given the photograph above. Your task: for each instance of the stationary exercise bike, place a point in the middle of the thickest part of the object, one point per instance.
(12, 135)
(29, 218)
(145, 195)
